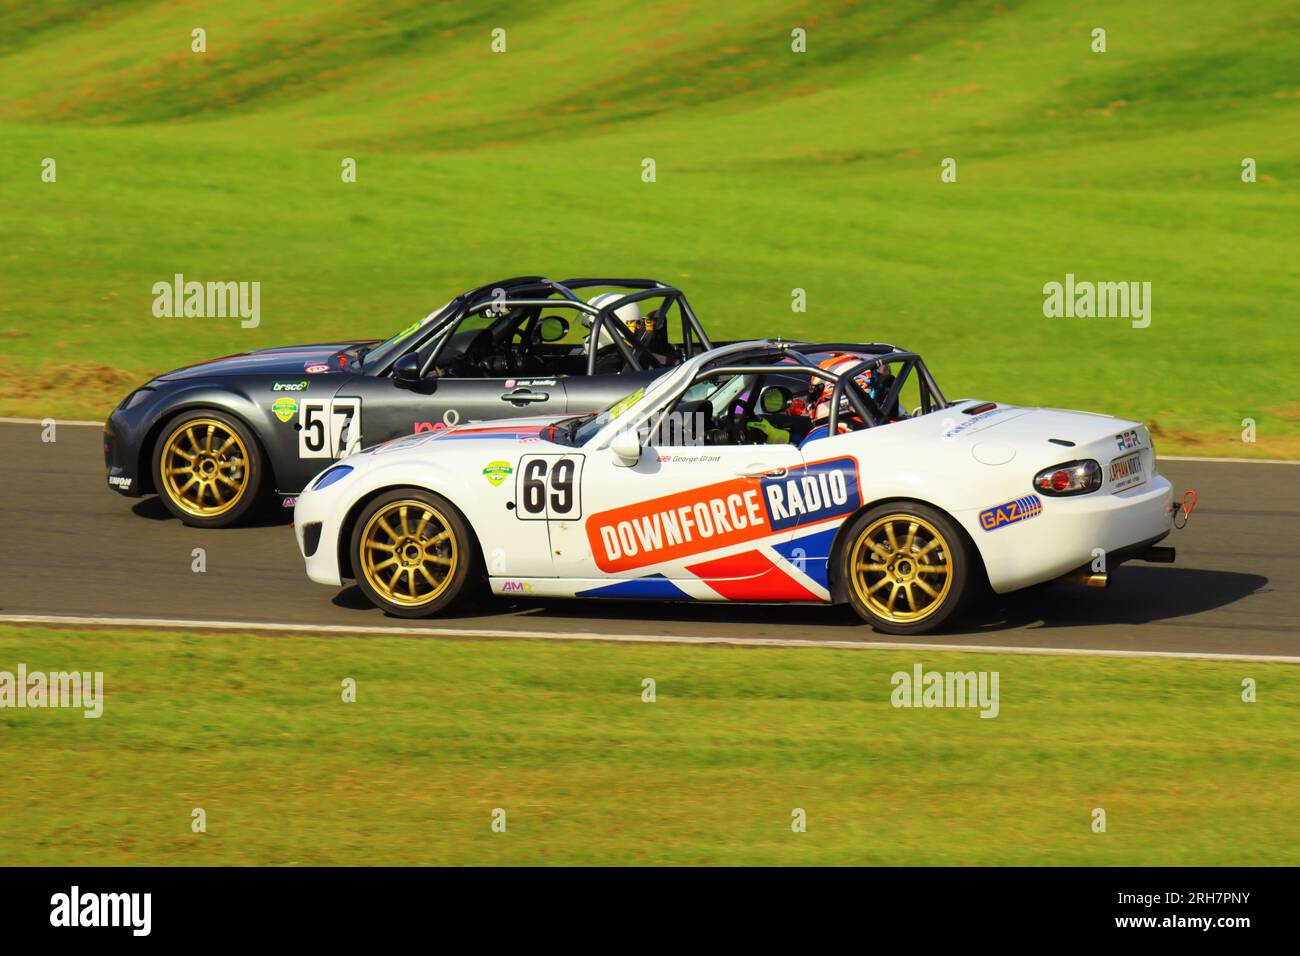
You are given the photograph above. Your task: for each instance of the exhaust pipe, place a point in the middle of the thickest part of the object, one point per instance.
(1086, 579)
(1159, 555)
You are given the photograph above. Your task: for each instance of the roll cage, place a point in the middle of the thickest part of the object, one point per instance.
(775, 357)
(537, 293)
(910, 363)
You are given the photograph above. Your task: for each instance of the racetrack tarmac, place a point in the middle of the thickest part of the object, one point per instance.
(72, 547)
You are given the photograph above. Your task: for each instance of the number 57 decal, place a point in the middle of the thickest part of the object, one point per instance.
(329, 428)
(549, 486)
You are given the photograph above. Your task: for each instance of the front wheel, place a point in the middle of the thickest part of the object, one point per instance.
(207, 468)
(906, 568)
(412, 552)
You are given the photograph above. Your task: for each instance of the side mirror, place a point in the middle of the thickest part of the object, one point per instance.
(626, 447)
(406, 370)
(552, 328)
(774, 399)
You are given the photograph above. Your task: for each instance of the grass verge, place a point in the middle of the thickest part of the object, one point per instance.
(253, 730)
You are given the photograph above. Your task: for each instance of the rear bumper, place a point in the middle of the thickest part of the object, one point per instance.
(1071, 533)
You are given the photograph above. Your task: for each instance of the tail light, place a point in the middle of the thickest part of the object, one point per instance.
(1069, 478)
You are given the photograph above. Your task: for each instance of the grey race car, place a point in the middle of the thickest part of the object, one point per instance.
(215, 438)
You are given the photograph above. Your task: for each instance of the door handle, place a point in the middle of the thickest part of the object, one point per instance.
(522, 396)
(760, 472)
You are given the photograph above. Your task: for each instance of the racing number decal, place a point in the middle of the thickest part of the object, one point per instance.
(563, 493)
(312, 430)
(549, 486)
(329, 428)
(532, 500)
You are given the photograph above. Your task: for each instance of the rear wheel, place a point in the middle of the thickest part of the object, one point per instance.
(412, 553)
(207, 469)
(906, 568)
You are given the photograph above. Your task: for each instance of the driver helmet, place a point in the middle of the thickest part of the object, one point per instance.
(819, 391)
(629, 315)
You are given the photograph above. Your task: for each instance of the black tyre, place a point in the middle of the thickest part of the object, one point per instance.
(412, 553)
(906, 568)
(207, 468)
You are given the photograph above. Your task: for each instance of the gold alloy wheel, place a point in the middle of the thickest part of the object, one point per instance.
(901, 568)
(408, 553)
(204, 467)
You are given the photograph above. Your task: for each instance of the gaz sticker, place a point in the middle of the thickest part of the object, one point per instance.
(1022, 509)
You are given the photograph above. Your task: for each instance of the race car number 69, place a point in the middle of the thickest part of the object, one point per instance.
(549, 486)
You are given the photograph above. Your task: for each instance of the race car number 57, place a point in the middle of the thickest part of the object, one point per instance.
(329, 428)
(549, 486)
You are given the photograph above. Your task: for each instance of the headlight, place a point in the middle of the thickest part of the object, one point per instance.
(330, 476)
(1069, 478)
(135, 398)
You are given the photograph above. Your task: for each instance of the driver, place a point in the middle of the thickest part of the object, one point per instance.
(764, 432)
(608, 357)
(871, 382)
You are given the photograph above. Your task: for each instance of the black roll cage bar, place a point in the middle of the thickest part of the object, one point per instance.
(647, 289)
(871, 411)
(534, 291)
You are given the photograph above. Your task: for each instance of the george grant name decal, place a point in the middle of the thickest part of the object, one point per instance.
(719, 515)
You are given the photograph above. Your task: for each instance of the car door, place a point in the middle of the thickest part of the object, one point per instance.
(591, 393)
(681, 513)
(388, 410)
(694, 508)
(457, 401)
(702, 513)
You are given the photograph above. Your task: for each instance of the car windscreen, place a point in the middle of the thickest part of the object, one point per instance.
(584, 431)
(387, 351)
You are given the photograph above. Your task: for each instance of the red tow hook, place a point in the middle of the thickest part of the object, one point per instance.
(1184, 509)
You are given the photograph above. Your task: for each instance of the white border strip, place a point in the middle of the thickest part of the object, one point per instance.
(1235, 461)
(481, 632)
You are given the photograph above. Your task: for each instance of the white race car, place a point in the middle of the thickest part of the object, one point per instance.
(756, 472)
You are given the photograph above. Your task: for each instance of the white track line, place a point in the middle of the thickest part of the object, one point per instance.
(56, 421)
(1235, 461)
(480, 632)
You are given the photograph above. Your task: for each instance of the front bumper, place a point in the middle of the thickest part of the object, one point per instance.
(317, 523)
(1070, 533)
(122, 457)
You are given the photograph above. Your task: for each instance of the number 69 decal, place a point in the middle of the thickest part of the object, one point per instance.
(549, 486)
